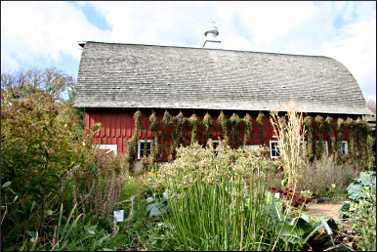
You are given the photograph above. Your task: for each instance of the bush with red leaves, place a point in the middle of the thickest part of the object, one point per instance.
(288, 195)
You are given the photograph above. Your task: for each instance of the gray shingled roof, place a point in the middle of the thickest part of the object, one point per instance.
(147, 76)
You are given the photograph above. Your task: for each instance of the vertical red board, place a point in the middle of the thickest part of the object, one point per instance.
(117, 125)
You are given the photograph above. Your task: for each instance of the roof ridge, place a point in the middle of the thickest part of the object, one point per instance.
(212, 49)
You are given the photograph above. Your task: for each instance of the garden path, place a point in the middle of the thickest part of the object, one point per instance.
(325, 209)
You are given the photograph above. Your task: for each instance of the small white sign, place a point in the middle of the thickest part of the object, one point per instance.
(277, 195)
(119, 215)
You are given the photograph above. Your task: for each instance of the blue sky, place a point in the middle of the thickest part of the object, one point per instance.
(41, 34)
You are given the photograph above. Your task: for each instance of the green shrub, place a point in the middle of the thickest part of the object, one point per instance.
(47, 160)
(360, 209)
(218, 200)
(363, 221)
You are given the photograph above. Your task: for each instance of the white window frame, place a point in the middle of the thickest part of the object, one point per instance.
(345, 148)
(109, 147)
(139, 147)
(271, 142)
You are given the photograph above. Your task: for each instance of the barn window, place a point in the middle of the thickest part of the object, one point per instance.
(274, 149)
(215, 143)
(148, 144)
(108, 147)
(343, 148)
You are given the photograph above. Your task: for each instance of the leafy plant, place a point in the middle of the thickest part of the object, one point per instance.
(366, 181)
(260, 122)
(194, 130)
(361, 209)
(131, 145)
(179, 121)
(235, 122)
(207, 123)
(308, 122)
(153, 129)
(219, 201)
(247, 121)
(224, 123)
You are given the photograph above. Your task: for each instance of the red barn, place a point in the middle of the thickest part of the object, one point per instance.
(115, 80)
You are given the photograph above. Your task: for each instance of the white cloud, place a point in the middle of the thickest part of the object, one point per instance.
(356, 49)
(31, 31)
(342, 30)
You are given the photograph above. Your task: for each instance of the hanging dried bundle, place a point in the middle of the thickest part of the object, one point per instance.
(194, 131)
(223, 121)
(235, 122)
(207, 123)
(247, 121)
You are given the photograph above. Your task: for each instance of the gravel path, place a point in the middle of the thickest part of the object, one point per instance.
(324, 209)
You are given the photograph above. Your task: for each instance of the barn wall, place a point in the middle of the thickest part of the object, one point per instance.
(118, 126)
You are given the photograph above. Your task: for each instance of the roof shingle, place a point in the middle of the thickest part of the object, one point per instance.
(146, 76)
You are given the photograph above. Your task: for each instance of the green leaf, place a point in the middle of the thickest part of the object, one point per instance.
(6, 184)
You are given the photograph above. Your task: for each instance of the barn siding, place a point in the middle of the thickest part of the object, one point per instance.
(118, 126)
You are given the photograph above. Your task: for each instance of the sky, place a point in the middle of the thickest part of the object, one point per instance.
(45, 34)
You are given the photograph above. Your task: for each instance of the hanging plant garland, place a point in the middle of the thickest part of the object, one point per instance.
(320, 146)
(131, 146)
(207, 123)
(339, 131)
(235, 122)
(363, 140)
(357, 136)
(329, 129)
(247, 121)
(260, 121)
(194, 131)
(308, 122)
(167, 121)
(349, 123)
(177, 134)
(153, 129)
(223, 121)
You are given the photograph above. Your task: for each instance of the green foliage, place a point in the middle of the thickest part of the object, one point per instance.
(308, 122)
(366, 181)
(349, 123)
(260, 120)
(224, 123)
(177, 134)
(363, 221)
(235, 124)
(370, 155)
(319, 146)
(339, 130)
(153, 129)
(218, 201)
(132, 143)
(47, 160)
(247, 121)
(361, 210)
(327, 124)
(167, 121)
(207, 123)
(194, 128)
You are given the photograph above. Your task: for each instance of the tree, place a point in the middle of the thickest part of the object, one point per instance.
(50, 81)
